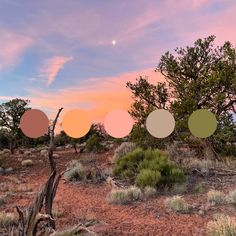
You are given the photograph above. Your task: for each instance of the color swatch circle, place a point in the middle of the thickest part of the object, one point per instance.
(118, 123)
(202, 123)
(76, 123)
(160, 123)
(34, 123)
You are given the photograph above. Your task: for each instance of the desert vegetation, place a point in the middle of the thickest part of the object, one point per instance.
(99, 185)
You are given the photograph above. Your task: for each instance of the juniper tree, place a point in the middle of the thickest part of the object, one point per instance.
(197, 77)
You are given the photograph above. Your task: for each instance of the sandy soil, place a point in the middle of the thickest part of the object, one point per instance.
(81, 202)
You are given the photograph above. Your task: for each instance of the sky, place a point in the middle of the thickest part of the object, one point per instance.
(59, 53)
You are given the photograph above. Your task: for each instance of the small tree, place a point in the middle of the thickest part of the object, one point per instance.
(201, 76)
(10, 114)
(147, 97)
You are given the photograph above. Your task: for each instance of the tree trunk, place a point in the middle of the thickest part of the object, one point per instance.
(29, 220)
(208, 150)
(12, 145)
(74, 145)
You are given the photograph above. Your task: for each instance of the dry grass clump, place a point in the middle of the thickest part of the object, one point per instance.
(231, 197)
(27, 162)
(149, 192)
(203, 165)
(124, 196)
(74, 172)
(179, 188)
(22, 188)
(199, 188)
(222, 226)
(8, 219)
(177, 204)
(216, 197)
(57, 211)
(123, 149)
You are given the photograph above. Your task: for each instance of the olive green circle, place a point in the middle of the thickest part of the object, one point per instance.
(202, 123)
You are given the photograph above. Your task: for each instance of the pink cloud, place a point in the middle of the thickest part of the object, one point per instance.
(52, 67)
(7, 98)
(96, 95)
(12, 45)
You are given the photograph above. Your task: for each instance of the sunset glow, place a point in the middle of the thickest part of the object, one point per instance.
(58, 57)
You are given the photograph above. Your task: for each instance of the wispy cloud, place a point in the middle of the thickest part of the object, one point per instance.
(52, 67)
(12, 45)
(96, 95)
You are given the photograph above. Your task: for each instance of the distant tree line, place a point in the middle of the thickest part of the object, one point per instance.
(12, 137)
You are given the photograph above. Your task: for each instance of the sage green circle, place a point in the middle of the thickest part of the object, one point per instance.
(202, 123)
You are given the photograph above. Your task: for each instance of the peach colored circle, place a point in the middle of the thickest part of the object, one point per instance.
(76, 123)
(118, 123)
(34, 123)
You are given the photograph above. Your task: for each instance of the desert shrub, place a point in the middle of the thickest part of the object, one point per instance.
(22, 188)
(57, 211)
(8, 219)
(148, 177)
(93, 143)
(216, 197)
(134, 193)
(222, 226)
(149, 191)
(148, 168)
(118, 196)
(74, 172)
(231, 197)
(27, 162)
(179, 188)
(124, 149)
(198, 188)
(177, 204)
(124, 196)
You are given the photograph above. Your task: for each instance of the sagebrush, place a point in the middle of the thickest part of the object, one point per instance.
(149, 167)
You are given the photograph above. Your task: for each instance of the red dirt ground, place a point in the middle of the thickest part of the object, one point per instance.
(80, 202)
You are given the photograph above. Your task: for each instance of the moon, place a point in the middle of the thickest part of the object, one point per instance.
(113, 42)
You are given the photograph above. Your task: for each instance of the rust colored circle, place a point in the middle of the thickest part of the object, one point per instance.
(34, 123)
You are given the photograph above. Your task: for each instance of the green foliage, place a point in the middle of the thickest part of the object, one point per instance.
(93, 143)
(148, 168)
(199, 188)
(4, 138)
(148, 177)
(96, 130)
(10, 115)
(144, 139)
(201, 76)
